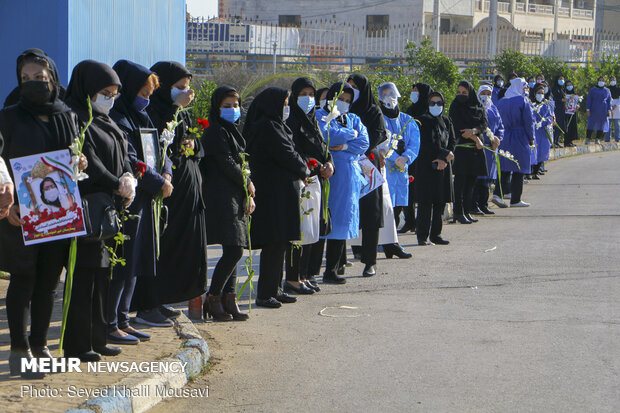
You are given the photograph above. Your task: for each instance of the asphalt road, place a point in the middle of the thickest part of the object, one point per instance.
(520, 313)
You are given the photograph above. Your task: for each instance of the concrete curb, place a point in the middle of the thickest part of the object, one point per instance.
(137, 393)
(582, 150)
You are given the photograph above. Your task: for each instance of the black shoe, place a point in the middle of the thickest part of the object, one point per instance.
(369, 271)
(170, 312)
(270, 302)
(331, 278)
(439, 241)
(86, 356)
(108, 350)
(476, 211)
(285, 298)
(469, 217)
(316, 288)
(312, 281)
(487, 211)
(406, 228)
(15, 365)
(535, 178)
(341, 270)
(424, 243)
(395, 249)
(461, 219)
(41, 352)
(302, 289)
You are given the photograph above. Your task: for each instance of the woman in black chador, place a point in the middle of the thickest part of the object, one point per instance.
(469, 119)
(39, 122)
(109, 172)
(227, 206)
(433, 174)
(182, 264)
(278, 173)
(371, 205)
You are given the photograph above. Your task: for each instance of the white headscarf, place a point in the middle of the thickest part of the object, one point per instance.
(481, 89)
(516, 87)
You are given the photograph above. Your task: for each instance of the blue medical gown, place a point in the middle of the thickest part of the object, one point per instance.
(598, 103)
(516, 114)
(543, 114)
(497, 127)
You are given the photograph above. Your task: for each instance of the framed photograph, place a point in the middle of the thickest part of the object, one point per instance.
(150, 147)
(49, 199)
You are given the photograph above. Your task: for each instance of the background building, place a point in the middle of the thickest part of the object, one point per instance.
(70, 31)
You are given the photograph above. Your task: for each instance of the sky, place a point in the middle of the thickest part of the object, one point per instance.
(204, 8)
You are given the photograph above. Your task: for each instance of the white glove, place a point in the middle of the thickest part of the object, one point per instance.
(401, 162)
(127, 186)
(356, 132)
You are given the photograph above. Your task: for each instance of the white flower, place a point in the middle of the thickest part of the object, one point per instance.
(75, 147)
(172, 125)
(167, 137)
(331, 115)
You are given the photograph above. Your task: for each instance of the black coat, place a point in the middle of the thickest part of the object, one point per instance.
(559, 94)
(468, 115)
(371, 205)
(16, 123)
(277, 171)
(436, 142)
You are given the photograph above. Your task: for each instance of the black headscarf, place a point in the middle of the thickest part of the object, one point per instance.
(161, 109)
(496, 78)
(216, 121)
(13, 97)
(367, 109)
(317, 96)
(468, 114)
(133, 76)
(538, 87)
(88, 78)
(266, 106)
(440, 123)
(333, 91)
(419, 108)
(615, 91)
(558, 91)
(54, 105)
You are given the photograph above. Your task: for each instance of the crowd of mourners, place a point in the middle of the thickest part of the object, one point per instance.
(301, 170)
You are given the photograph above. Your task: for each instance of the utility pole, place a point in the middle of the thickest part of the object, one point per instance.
(275, 56)
(556, 15)
(436, 20)
(492, 40)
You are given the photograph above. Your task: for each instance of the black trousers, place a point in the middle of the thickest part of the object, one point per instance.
(270, 272)
(370, 242)
(225, 270)
(86, 323)
(463, 193)
(297, 261)
(571, 129)
(430, 220)
(316, 258)
(333, 255)
(397, 211)
(33, 295)
(516, 187)
(505, 184)
(599, 134)
(481, 192)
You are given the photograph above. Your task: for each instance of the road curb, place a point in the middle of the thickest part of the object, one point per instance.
(559, 153)
(139, 392)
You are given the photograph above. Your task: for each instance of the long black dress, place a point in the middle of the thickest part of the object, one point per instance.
(277, 172)
(182, 264)
(559, 94)
(34, 269)
(105, 147)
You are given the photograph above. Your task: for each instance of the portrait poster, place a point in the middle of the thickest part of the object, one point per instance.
(150, 147)
(49, 200)
(372, 176)
(571, 104)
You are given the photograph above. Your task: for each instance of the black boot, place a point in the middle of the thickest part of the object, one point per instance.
(394, 249)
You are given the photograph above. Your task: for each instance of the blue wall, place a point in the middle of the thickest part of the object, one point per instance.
(70, 31)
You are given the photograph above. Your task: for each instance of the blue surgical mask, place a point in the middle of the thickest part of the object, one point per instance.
(532, 84)
(601, 84)
(356, 94)
(435, 110)
(343, 107)
(540, 97)
(140, 103)
(414, 97)
(569, 88)
(175, 92)
(306, 103)
(561, 82)
(230, 114)
(322, 103)
(286, 111)
(102, 104)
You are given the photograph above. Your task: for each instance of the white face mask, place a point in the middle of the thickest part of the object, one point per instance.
(175, 92)
(500, 83)
(51, 195)
(484, 99)
(285, 112)
(540, 97)
(601, 84)
(435, 110)
(356, 94)
(102, 104)
(390, 102)
(612, 83)
(414, 97)
(323, 102)
(343, 107)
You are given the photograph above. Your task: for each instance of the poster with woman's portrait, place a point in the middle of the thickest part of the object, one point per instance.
(49, 199)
